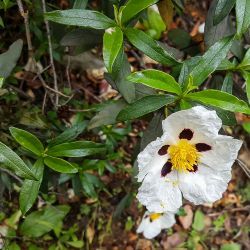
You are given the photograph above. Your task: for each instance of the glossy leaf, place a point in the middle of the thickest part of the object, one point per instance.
(9, 58)
(112, 44)
(245, 63)
(156, 79)
(27, 140)
(213, 33)
(83, 18)
(30, 188)
(222, 9)
(69, 134)
(242, 16)
(41, 222)
(134, 7)
(118, 79)
(211, 60)
(150, 47)
(12, 161)
(221, 100)
(227, 85)
(76, 149)
(59, 165)
(144, 106)
(246, 76)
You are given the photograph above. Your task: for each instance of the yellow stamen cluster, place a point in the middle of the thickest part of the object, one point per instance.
(183, 155)
(154, 216)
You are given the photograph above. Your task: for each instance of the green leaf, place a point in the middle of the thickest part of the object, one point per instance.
(180, 38)
(156, 79)
(227, 85)
(80, 4)
(144, 106)
(118, 79)
(246, 127)
(211, 60)
(69, 134)
(112, 45)
(150, 47)
(221, 100)
(199, 221)
(134, 7)
(76, 244)
(76, 149)
(123, 204)
(107, 115)
(245, 63)
(223, 8)
(213, 33)
(27, 140)
(1, 82)
(83, 18)
(59, 165)
(41, 222)
(11, 160)
(30, 188)
(242, 16)
(9, 58)
(246, 76)
(230, 246)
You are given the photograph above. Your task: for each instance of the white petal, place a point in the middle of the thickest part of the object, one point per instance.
(205, 185)
(167, 220)
(200, 120)
(148, 228)
(160, 194)
(149, 160)
(223, 153)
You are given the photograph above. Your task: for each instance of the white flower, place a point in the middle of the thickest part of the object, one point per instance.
(190, 159)
(152, 223)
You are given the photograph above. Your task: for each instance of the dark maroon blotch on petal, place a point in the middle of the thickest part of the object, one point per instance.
(202, 147)
(163, 150)
(166, 169)
(186, 134)
(195, 168)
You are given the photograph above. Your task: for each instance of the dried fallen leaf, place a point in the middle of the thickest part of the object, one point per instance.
(186, 221)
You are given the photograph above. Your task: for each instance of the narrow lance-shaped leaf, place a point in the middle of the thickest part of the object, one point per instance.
(150, 47)
(220, 99)
(30, 188)
(246, 76)
(156, 79)
(82, 18)
(242, 16)
(59, 165)
(9, 58)
(133, 7)
(144, 106)
(69, 134)
(222, 9)
(27, 140)
(112, 44)
(245, 63)
(76, 149)
(12, 161)
(211, 60)
(227, 85)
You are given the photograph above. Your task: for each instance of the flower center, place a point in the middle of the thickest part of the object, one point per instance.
(183, 156)
(154, 216)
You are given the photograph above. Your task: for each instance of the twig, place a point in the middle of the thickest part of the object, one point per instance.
(44, 101)
(51, 56)
(244, 167)
(67, 72)
(25, 16)
(232, 210)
